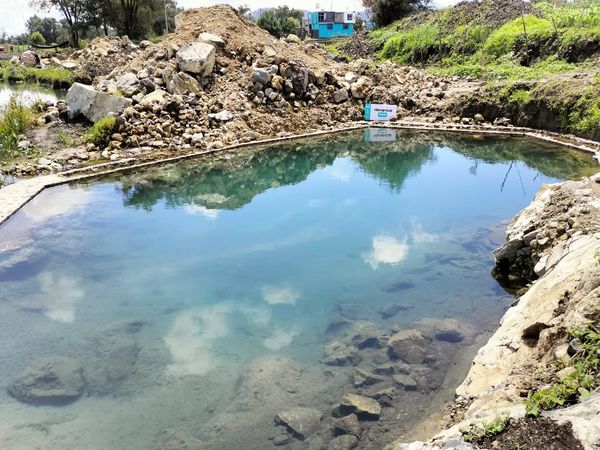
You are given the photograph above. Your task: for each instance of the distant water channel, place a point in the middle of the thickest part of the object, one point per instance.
(28, 93)
(197, 301)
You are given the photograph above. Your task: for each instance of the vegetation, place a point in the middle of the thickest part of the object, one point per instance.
(280, 21)
(479, 432)
(52, 76)
(577, 385)
(37, 38)
(99, 134)
(387, 11)
(15, 119)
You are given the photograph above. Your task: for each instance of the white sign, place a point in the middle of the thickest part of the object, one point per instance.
(380, 112)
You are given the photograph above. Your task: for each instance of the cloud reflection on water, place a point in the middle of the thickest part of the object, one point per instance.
(280, 295)
(60, 201)
(387, 249)
(196, 210)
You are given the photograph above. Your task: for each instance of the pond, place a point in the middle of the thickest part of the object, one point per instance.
(233, 301)
(29, 93)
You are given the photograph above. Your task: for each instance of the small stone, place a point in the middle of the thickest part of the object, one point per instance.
(281, 439)
(408, 345)
(301, 421)
(406, 381)
(346, 425)
(341, 95)
(363, 407)
(345, 442)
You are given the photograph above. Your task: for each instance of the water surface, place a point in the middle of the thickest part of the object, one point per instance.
(28, 93)
(225, 273)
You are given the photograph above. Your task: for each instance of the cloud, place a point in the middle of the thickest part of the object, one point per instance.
(61, 200)
(386, 250)
(420, 236)
(192, 337)
(196, 210)
(280, 338)
(280, 295)
(340, 175)
(56, 298)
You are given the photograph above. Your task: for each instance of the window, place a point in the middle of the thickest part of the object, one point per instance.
(330, 26)
(349, 17)
(321, 17)
(346, 26)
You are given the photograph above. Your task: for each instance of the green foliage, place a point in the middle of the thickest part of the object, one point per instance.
(52, 76)
(413, 46)
(65, 139)
(15, 119)
(485, 429)
(280, 21)
(578, 385)
(504, 40)
(101, 131)
(567, 15)
(387, 11)
(37, 38)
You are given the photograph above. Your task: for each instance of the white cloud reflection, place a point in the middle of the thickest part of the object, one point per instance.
(420, 236)
(340, 175)
(280, 295)
(386, 250)
(280, 338)
(196, 210)
(192, 337)
(63, 200)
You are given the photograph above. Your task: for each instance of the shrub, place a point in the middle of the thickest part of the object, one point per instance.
(15, 119)
(99, 134)
(37, 38)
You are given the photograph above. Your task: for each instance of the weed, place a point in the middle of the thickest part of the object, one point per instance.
(486, 429)
(579, 384)
(99, 134)
(65, 139)
(15, 119)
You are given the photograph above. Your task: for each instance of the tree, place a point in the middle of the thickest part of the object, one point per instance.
(280, 21)
(37, 38)
(387, 11)
(73, 12)
(46, 26)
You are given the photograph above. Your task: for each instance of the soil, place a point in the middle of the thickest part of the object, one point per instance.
(533, 434)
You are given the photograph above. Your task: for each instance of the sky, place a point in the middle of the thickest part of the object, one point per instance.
(14, 13)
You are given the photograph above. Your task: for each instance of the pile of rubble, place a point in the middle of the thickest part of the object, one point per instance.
(220, 79)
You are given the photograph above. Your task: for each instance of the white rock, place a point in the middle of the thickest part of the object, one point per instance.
(93, 105)
(212, 39)
(197, 57)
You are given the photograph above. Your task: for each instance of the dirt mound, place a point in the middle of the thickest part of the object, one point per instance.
(104, 54)
(491, 13)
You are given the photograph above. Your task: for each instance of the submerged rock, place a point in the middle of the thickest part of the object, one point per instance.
(302, 422)
(363, 407)
(408, 345)
(445, 330)
(346, 425)
(338, 353)
(345, 442)
(391, 310)
(49, 381)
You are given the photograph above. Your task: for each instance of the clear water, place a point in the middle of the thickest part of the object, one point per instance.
(226, 271)
(29, 93)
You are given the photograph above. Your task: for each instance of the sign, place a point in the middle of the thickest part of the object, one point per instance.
(380, 135)
(380, 112)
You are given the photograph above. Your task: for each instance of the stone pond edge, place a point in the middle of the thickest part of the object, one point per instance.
(13, 197)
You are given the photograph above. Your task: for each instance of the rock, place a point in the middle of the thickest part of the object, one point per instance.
(583, 418)
(408, 345)
(339, 96)
(23, 144)
(479, 118)
(363, 407)
(338, 353)
(346, 425)
(49, 381)
(350, 77)
(128, 84)
(212, 39)
(120, 354)
(222, 116)
(445, 330)
(345, 442)
(197, 57)
(364, 378)
(358, 89)
(298, 75)
(154, 98)
(70, 65)
(93, 105)
(406, 381)
(29, 58)
(302, 422)
(261, 76)
(281, 439)
(183, 84)
(391, 310)
(293, 39)
(366, 335)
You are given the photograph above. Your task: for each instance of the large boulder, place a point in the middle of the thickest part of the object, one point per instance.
(212, 39)
(29, 58)
(93, 105)
(302, 422)
(197, 57)
(49, 381)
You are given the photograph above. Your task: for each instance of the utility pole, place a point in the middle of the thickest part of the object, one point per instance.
(166, 19)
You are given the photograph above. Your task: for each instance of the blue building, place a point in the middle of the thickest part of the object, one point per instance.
(330, 24)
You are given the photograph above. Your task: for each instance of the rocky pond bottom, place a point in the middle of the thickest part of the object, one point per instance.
(324, 294)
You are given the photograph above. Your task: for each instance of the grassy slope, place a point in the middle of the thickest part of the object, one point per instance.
(487, 41)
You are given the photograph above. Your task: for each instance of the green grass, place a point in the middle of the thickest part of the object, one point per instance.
(511, 36)
(101, 131)
(580, 383)
(15, 119)
(413, 46)
(485, 429)
(51, 76)
(65, 139)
